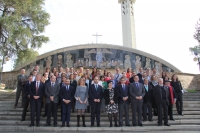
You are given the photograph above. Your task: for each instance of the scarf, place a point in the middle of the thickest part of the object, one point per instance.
(171, 95)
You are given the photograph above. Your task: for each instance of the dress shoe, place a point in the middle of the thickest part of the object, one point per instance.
(92, 126)
(68, 125)
(31, 125)
(38, 125)
(84, 125)
(166, 124)
(145, 120)
(22, 119)
(98, 125)
(63, 125)
(172, 119)
(150, 120)
(134, 125)
(116, 125)
(141, 125)
(128, 125)
(47, 125)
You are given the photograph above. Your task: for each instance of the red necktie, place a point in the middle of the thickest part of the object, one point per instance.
(36, 88)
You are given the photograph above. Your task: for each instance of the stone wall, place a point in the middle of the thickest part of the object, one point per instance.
(189, 81)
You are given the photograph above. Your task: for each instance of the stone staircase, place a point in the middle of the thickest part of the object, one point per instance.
(10, 118)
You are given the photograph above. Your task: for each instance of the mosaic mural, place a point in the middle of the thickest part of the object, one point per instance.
(100, 58)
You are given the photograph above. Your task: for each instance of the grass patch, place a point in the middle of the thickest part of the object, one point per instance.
(192, 91)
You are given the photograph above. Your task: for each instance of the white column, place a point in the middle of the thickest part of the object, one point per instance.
(128, 23)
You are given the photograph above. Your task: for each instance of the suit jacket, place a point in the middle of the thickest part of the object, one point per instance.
(73, 84)
(40, 92)
(131, 80)
(95, 94)
(107, 97)
(148, 95)
(52, 91)
(27, 90)
(139, 75)
(122, 93)
(141, 81)
(157, 94)
(134, 91)
(67, 94)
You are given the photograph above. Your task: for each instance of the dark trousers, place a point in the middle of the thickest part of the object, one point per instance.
(148, 106)
(170, 111)
(136, 108)
(18, 92)
(179, 102)
(95, 110)
(66, 110)
(123, 107)
(35, 107)
(52, 106)
(26, 103)
(163, 106)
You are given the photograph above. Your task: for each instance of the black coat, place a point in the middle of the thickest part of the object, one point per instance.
(93, 94)
(27, 88)
(67, 95)
(131, 80)
(122, 93)
(107, 98)
(157, 94)
(148, 95)
(140, 76)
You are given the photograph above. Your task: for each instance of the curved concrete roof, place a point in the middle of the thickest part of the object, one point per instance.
(111, 46)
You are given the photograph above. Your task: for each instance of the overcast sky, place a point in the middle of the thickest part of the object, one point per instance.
(163, 27)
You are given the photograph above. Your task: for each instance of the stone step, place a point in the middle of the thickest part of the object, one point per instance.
(196, 108)
(184, 102)
(100, 129)
(103, 117)
(28, 113)
(103, 123)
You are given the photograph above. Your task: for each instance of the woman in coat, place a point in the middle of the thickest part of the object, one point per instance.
(111, 102)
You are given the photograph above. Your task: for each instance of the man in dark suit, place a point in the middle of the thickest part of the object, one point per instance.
(36, 94)
(95, 94)
(131, 80)
(140, 73)
(161, 96)
(21, 81)
(26, 97)
(67, 95)
(52, 89)
(124, 101)
(137, 92)
(147, 100)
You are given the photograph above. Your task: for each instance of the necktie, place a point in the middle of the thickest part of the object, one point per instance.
(67, 87)
(137, 85)
(123, 86)
(96, 87)
(146, 86)
(37, 85)
(52, 85)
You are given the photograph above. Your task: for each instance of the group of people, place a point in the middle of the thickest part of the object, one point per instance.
(146, 93)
